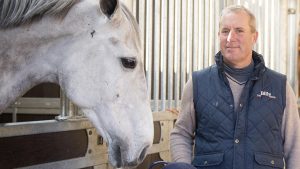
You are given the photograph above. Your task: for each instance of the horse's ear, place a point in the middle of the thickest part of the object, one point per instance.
(110, 8)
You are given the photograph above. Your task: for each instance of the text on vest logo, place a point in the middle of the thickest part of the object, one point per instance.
(267, 94)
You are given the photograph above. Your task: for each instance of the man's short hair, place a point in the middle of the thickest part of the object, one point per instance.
(240, 8)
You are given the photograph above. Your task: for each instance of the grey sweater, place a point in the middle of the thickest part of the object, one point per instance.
(182, 136)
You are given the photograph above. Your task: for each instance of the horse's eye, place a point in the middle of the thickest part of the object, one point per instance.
(128, 62)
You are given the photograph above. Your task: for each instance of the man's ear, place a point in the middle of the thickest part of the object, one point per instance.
(255, 37)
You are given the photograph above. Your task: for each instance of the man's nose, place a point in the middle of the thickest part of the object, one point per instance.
(230, 36)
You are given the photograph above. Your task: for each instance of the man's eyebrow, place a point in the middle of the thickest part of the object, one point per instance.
(224, 28)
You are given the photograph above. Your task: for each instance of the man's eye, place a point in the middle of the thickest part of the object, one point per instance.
(128, 62)
(225, 31)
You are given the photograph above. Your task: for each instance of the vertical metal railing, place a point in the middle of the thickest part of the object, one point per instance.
(68, 109)
(293, 22)
(163, 53)
(171, 49)
(177, 44)
(179, 38)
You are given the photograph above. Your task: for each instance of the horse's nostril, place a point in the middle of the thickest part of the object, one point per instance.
(143, 153)
(118, 159)
(132, 164)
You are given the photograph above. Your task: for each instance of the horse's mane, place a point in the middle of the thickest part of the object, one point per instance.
(15, 12)
(131, 19)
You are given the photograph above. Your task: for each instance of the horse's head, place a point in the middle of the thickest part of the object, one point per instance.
(103, 74)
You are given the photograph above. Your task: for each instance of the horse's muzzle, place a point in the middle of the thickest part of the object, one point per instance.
(122, 158)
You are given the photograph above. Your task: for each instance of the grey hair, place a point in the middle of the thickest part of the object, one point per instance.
(240, 8)
(15, 12)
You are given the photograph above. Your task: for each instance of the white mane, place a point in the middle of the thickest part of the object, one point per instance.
(15, 12)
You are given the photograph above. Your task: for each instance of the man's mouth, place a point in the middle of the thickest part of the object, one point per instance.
(231, 47)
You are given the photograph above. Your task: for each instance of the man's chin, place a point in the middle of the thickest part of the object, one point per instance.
(232, 50)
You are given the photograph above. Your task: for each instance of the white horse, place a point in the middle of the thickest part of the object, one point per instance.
(92, 49)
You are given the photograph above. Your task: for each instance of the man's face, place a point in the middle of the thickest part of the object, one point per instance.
(236, 39)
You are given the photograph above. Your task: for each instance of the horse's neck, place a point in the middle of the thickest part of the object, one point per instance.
(21, 67)
(31, 54)
(16, 79)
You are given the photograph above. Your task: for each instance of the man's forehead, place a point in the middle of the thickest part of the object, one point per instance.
(235, 20)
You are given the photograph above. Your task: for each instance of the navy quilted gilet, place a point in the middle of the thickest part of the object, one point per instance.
(249, 138)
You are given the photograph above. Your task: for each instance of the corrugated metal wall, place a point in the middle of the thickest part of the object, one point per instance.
(180, 36)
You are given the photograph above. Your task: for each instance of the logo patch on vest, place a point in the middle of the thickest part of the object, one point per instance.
(267, 94)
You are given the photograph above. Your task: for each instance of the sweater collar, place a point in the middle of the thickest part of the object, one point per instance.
(259, 64)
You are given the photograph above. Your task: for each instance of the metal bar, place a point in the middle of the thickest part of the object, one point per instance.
(277, 57)
(163, 54)
(156, 53)
(259, 23)
(68, 109)
(216, 26)
(45, 126)
(201, 34)
(171, 46)
(292, 42)
(206, 33)
(272, 34)
(266, 34)
(195, 35)
(33, 102)
(211, 33)
(149, 46)
(141, 15)
(177, 51)
(37, 111)
(183, 54)
(63, 104)
(284, 40)
(189, 39)
(296, 88)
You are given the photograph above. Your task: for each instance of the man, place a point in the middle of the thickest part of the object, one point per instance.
(238, 114)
